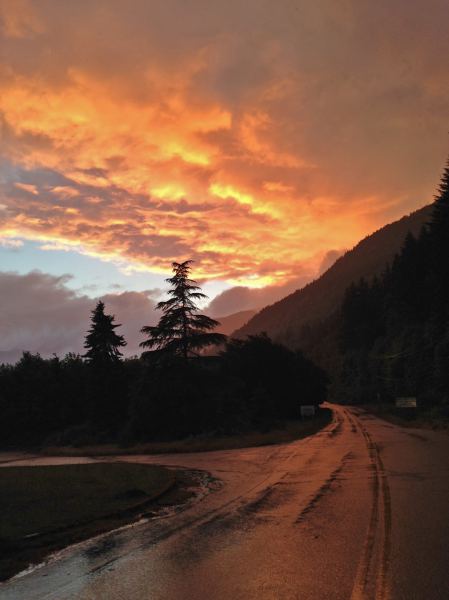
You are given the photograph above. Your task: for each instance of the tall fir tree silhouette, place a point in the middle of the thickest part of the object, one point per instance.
(181, 329)
(102, 342)
(439, 224)
(439, 252)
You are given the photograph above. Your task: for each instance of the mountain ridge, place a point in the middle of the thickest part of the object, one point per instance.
(284, 319)
(230, 323)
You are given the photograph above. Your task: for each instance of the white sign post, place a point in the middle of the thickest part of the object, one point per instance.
(308, 410)
(405, 402)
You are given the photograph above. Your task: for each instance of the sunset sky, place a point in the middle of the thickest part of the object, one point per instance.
(260, 138)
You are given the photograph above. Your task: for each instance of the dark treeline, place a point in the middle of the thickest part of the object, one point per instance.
(170, 392)
(391, 336)
(254, 384)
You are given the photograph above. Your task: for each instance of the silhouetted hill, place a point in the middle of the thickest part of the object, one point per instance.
(284, 320)
(232, 322)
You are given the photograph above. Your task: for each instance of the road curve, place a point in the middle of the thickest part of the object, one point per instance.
(358, 511)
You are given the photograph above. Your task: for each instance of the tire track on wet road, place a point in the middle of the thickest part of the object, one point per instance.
(371, 581)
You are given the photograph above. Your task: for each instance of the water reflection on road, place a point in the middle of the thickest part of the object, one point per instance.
(336, 516)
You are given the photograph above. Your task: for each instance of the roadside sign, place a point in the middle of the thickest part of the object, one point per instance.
(308, 410)
(405, 402)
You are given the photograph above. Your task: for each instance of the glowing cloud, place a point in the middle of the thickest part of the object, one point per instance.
(251, 137)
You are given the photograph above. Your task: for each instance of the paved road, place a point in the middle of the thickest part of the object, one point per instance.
(359, 511)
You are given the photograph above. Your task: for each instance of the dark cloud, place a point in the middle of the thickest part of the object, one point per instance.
(41, 314)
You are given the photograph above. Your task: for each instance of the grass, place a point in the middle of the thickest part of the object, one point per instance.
(44, 508)
(290, 431)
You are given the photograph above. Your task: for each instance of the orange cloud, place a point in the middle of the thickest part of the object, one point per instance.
(18, 19)
(169, 138)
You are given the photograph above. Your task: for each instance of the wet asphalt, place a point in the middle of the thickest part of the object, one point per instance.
(358, 511)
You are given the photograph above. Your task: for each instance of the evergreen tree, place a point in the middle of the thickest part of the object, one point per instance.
(182, 330)
(439, 224)
(102, 342)
(439, 252)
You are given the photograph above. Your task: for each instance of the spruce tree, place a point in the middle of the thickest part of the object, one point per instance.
(182, 330)
(439, 252)
(102, 342)
(439, 224)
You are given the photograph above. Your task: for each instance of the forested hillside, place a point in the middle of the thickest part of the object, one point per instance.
(390, 335)
(393, 333)
(285, 320)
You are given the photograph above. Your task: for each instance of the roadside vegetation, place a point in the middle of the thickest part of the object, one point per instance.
(45, 508)
(285, 432)
(434, 418)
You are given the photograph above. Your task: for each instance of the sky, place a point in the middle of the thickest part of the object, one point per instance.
(260, 139)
